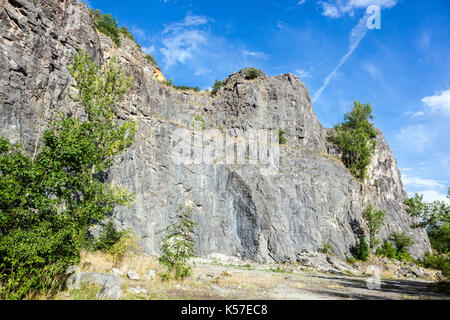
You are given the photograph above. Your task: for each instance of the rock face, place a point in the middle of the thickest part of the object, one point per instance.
(307, 200)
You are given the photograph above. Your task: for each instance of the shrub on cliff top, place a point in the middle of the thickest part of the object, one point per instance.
(251, 74)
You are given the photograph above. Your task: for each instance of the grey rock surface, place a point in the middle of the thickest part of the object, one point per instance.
(110, 293)
(132, 275)
(76, 280)
(241, 210)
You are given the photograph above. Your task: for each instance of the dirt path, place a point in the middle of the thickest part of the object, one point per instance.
(303, 285)
(219, 280)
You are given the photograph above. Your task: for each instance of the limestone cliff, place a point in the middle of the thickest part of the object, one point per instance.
(309, 200)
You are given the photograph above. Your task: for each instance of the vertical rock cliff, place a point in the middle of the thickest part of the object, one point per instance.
(309, 200)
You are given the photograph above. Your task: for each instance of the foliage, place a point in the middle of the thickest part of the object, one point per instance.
(199, 123)
(216, 87)
(361, 251)
(108, 25)
(439, 262)
(401, 242)
(251, 74)
(387, 250)
(182, 88)
(374, 219)
(48, 201)
(151, 59)
(127, 34)
(326, 248)
(178, 245)
(435, 218)
(108, 238)
(397, 247)
(281, 136)
(126, 244)
(355, 138)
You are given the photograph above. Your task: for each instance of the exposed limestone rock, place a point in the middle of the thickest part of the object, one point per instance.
(310, 200)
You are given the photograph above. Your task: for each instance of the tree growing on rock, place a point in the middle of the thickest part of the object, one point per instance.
(355, 139)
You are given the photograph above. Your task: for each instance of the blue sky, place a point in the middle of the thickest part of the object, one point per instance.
(402, 69)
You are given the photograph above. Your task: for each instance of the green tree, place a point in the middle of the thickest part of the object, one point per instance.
(435, 218)
(355, 139)
(374, 219)
(361, 251)
(178, 245)
(47, 202)
(216, 87)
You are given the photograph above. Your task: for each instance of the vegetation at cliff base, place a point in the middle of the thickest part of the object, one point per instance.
(435, 219)
(48, 200)
(177, 246)
(374, 219)
(361, 251)
(355, 139)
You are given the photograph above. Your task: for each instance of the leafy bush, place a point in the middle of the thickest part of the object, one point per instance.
(355, 139)
(326, 248)
(387, 250)
(361, 251)
(178, 245)
(151, 59)
(182, 88)
(199, 123)
(216, 87)
(401, 242)
(108, 238)
(108, 25)
(437, 261)
(281, 136)
(126, 244)
(374, 219)
(187, 88)
(435, 218)
(48, 200)
(251, 74)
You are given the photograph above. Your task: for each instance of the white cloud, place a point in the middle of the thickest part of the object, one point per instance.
(139, 33)
(149, 50)
(189, 21)
(440, 102)
(301, 2)
(339, 8)
(418, 114)
(433, 195)
(181, 46)
(416, 137)
(260, 55)
(422, 183)
(303, 73)
(181, 39)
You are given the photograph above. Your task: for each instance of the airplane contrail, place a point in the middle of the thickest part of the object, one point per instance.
(356, 35)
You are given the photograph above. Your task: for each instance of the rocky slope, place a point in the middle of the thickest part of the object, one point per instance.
(308, 200)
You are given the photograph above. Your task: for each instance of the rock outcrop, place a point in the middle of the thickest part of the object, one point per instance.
(309, 199)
